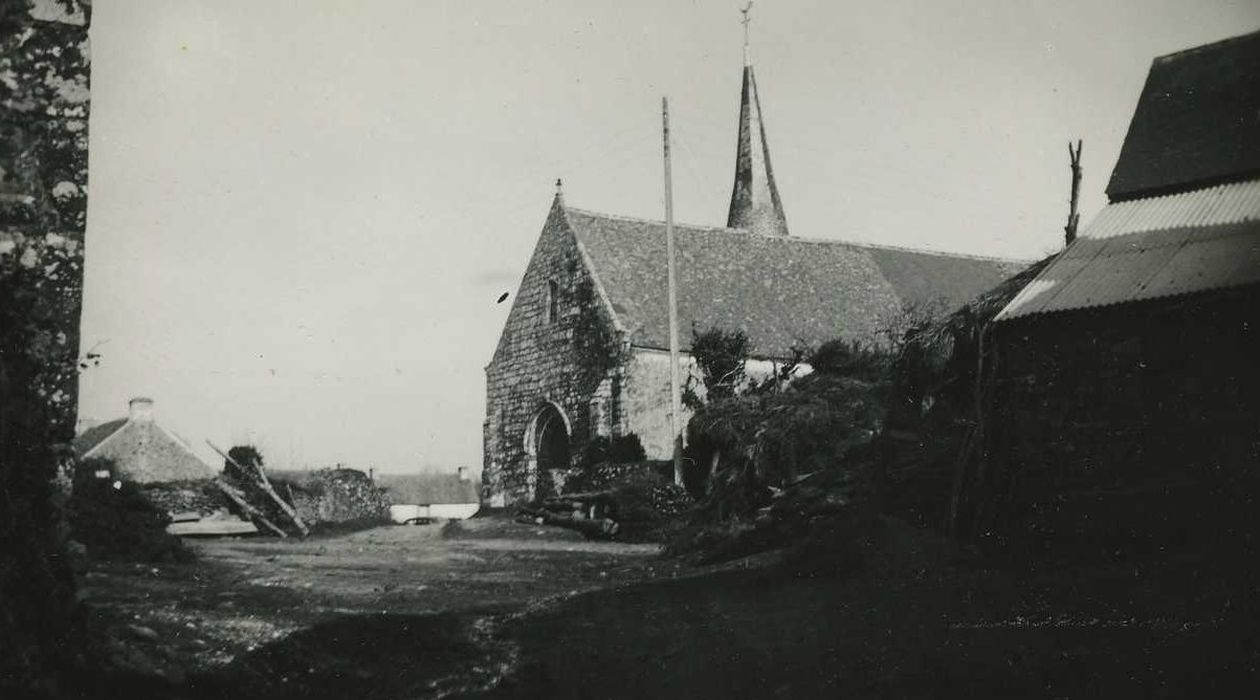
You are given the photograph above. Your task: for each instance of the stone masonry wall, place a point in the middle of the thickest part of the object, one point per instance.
(540, 361)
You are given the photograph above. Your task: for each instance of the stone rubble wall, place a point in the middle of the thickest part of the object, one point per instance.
(537, 363)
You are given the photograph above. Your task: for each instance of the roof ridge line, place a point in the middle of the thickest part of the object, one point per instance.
(1202, 47)
(800, 239)
(640, 219)
(943, 253)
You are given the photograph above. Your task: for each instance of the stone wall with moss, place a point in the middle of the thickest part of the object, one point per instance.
(43, 203)
(559, 347)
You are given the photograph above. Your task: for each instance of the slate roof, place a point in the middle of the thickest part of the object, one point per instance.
(96, 435)
(1189, 242)
(143, 451)
(428, 489)
(782, 291)
(1197, 121)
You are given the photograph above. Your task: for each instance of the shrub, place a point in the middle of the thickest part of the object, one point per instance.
(766, 440)
(600, 449)
(721, 357)
(843, 358)
(336, 496)
(246, 456)
(114, 520)
(772, 463)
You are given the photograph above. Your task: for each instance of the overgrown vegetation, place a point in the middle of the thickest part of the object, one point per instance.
(721, 356)
(640, 494)
(933, 417)
(114, 519)
(241, 462)
(599, 347)
(43, 202)
(746, 445)
(240, 470)
(338, 499)
(603, 449)
(769, 462)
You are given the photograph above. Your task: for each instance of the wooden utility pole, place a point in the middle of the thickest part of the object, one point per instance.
(675, 388)
(1073, 218)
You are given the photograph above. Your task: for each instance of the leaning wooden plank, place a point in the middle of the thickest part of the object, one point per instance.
(239, 499)
(265, 484)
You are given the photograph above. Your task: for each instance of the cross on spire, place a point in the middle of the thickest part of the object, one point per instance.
(746, 21)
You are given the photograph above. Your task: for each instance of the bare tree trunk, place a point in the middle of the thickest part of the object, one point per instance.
(1073, 217)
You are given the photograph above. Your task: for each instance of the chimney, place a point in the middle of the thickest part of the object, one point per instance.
(463, 473)
(140, 409)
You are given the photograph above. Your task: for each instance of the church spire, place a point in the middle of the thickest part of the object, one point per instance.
(755, 203)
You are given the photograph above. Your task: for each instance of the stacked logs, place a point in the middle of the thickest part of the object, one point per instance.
(593, 514)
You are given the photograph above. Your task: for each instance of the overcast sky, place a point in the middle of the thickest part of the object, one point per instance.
(302, 213)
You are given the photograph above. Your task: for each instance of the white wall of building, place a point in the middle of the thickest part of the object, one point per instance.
(645, 400)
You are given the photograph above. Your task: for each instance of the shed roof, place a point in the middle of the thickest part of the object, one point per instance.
(428, 489)
(781, 291)
(1197, 121)
(1184, 243)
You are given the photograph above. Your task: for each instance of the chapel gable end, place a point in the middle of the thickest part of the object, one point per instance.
(557, 299)
(559, 345)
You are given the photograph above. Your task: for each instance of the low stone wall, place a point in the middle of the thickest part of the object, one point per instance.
(185, 496)
(335, 496)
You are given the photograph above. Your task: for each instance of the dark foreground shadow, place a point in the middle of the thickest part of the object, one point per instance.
(374, 656)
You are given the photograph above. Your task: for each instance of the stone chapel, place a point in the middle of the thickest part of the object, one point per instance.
(584, 350)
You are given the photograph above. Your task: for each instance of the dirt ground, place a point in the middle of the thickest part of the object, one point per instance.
(230, 618)
(495, 609)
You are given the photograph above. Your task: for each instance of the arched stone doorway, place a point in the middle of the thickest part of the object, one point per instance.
(547, 446)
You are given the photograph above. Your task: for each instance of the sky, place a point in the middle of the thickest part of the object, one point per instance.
(301, 214)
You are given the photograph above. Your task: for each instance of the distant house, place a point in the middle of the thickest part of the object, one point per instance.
(1129, 364)
(141, 449)
(584, 351)
(430, 496)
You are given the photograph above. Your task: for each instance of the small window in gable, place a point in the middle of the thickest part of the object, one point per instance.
(553, 301)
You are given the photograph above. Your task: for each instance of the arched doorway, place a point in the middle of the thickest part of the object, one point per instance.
(547, 444)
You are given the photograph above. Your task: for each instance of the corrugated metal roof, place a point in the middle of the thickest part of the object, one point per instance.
(1150, 248)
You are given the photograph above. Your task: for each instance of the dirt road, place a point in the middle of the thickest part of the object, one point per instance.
(500, 610)
(269, 614)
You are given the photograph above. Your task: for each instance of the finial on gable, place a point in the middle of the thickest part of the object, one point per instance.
(559, 190)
